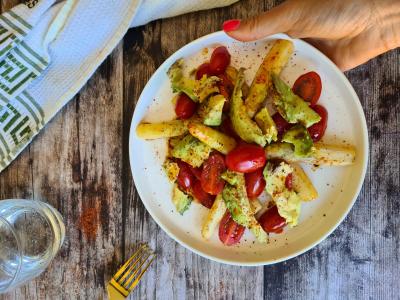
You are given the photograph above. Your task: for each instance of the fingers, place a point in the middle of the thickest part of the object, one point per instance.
(279, 19)
(351, 52)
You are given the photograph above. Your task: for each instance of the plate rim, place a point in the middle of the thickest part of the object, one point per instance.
(339, 221)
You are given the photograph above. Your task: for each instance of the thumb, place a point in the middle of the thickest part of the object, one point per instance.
(278, 19)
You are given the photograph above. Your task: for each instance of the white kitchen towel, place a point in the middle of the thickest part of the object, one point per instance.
(49, 49)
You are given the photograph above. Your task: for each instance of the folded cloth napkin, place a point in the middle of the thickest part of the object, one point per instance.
(49, 49)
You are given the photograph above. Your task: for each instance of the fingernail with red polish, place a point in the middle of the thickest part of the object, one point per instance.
(231, 25)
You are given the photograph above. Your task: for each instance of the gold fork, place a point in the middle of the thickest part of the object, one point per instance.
(129, 275)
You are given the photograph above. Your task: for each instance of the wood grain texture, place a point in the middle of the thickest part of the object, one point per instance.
(81, 159)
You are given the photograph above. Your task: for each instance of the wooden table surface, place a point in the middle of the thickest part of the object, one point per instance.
(80, 160)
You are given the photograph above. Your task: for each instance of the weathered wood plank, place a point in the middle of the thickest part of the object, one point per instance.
(7, 4)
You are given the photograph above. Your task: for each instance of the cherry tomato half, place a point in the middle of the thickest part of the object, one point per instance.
(205, 199)
(220, 59)
(246, 158)
(185, 107)
(289, 181)
(203, 69)
(281, 124)
(271, 221)
(255, 183)
(317, 130)
(211, 180)
(185, 178)
(308, 86)
(230, 232)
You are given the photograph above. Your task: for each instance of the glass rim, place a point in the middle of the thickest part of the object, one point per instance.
(11, 229)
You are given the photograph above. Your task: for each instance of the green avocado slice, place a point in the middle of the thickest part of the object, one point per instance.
(191, 151)
(267, 125)
(244, 126)
(287, 201)
(197, 90)
(292, 108)
(237, 202)
(298, 136)
(180, 200)
(211, 110)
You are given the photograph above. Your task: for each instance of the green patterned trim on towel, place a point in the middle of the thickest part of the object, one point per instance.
(12, 25)
(35, 104)
(17, 69)
(21, 117)
(13, 28)
(20, 120)
(20, 20)
(40, 60)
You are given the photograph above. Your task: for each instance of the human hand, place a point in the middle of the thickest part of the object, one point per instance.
(349, 32)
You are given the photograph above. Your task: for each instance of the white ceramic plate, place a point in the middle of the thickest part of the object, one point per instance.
(338, 187)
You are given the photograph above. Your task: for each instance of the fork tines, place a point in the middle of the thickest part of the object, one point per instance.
(129, 275)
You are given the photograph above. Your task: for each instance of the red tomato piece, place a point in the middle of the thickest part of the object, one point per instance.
(185, 107)
(205, 199)
(255, 183)
(271, 221)
(220, 59)
(308, 86)
(281, 124)
(227, 128)
(211, 180)
(185, 178)
(246, 158)
(225, 89)
(289, 181)
(203, 69)
(224, 92)
(317, 130)
(230, 232)
(196, 172)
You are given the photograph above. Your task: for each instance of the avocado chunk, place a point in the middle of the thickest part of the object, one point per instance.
(211, 110)
(292, 108)
(236, 200)
(287, 201)
(191, 151)
(180, 200)
(231, 177)
(197, 90)
(171, 169)
(179, 83)
(244, 126)
(298, 136)
(235, 197)
(205, 87)
(267, 125)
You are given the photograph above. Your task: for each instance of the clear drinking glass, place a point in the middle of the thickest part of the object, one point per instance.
(31, 233)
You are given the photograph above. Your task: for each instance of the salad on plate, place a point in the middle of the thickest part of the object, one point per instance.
(236, 149)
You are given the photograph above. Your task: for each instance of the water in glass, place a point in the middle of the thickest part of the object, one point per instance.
(31, 233)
